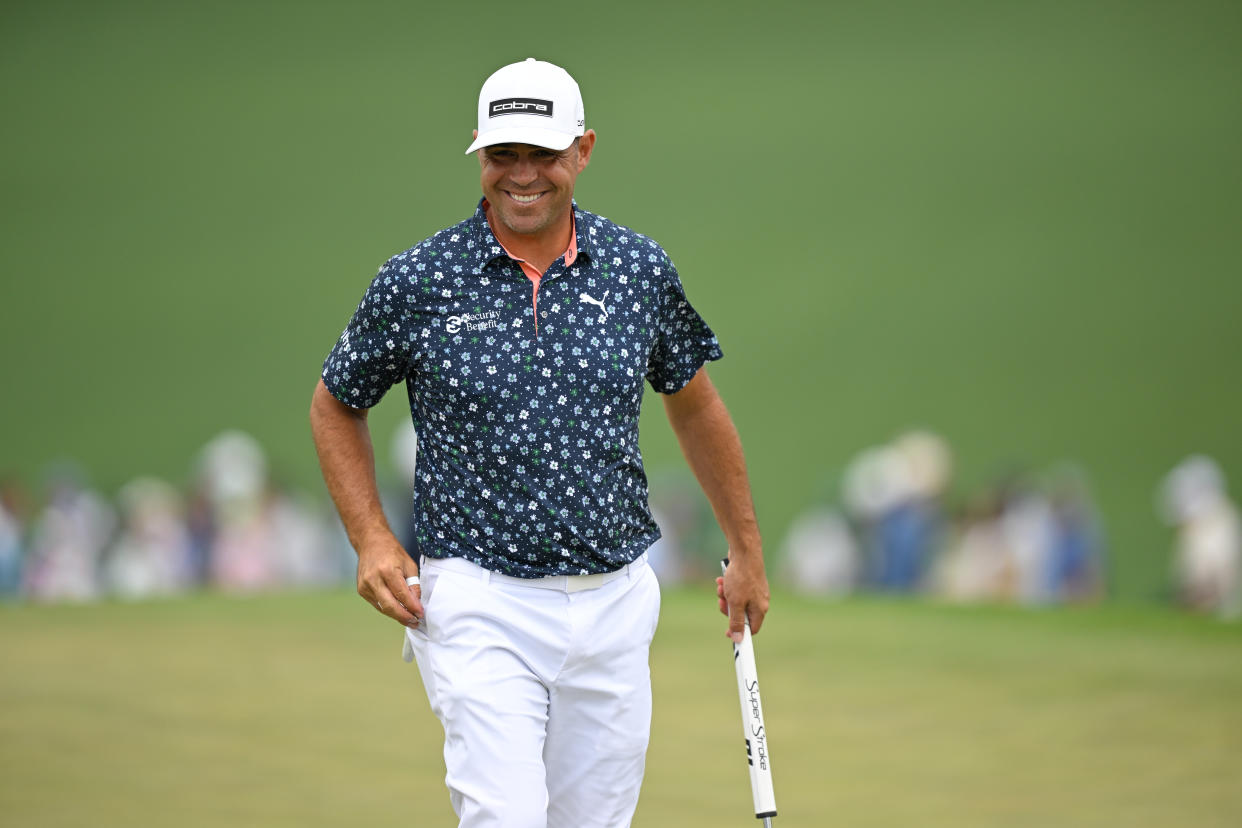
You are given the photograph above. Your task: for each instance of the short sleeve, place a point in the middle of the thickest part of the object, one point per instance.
(684, 343)
(373, 353)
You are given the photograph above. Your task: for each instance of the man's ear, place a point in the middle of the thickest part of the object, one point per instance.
(586, 144)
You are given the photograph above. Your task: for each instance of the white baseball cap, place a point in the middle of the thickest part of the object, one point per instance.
(532, 102)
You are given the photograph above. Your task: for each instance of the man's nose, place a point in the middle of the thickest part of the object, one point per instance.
(524, 172)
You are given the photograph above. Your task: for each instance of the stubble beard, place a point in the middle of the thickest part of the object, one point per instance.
(530, 225)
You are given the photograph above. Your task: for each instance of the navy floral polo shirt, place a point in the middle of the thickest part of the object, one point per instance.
(528, 458)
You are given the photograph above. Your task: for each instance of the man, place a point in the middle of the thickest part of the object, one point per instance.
(524, 335)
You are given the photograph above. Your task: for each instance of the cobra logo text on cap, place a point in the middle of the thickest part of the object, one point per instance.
(520, 106)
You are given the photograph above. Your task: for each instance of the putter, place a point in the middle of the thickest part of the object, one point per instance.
(756, 734)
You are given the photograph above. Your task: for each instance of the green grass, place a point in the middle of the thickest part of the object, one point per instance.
(296, 710)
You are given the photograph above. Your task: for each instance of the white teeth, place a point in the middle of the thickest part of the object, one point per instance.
(525, 199)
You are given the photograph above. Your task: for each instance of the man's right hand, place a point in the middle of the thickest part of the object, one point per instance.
(343, 442)
(383, 566)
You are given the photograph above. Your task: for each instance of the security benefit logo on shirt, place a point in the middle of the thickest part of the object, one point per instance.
(484, 321)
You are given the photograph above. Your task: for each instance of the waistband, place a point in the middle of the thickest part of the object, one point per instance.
(560, 583)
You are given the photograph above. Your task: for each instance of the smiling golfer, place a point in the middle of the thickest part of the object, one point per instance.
(524, 335)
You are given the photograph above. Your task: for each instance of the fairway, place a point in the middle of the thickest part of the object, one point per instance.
(297, 710)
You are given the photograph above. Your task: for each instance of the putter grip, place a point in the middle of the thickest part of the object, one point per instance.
(753, 728)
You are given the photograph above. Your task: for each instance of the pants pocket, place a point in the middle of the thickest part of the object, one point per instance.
(653, 584)
(415, 637)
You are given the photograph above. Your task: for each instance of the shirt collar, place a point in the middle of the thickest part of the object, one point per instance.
(488, 248)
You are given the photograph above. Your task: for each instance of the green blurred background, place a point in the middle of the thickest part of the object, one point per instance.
(1016, 224)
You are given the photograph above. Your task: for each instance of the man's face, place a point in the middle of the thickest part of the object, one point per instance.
(530, 188)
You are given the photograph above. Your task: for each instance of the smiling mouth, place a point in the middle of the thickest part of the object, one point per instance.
(524, 199)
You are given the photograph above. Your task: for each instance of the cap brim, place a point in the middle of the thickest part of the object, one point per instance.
(547, 138)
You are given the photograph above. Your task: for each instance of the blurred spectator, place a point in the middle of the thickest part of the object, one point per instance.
(1076, 558)
(1027, 521)
(200, 522)
(12, 537)
(233, 471)
(820, 554)
(1025, 543)
(978, 565)
(872, 490)
(894, 492)
(68, 541)
(297, 536)
(261, 534)
(1208, 553)
(153, 554)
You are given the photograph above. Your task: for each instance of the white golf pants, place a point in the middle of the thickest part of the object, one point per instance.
(543, 689)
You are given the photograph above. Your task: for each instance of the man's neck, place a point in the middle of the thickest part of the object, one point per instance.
(540, 249)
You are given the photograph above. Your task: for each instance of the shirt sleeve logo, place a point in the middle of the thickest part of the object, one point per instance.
(519, 106)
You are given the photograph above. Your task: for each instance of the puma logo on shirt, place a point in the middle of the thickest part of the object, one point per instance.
(585, 298)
